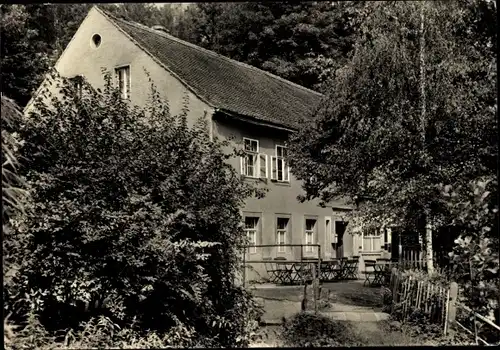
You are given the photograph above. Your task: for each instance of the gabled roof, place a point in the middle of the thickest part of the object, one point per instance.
(224, 83)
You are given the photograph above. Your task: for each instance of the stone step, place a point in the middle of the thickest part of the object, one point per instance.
(367, 316)
(352, 316)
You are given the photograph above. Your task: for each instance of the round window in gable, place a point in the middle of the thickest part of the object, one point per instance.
(96, 41)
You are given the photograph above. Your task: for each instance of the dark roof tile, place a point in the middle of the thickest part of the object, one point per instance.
(225, 83)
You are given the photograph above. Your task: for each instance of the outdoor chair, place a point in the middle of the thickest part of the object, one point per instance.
(369, 272)
(272, 271)
(352, 269)
(384, 273)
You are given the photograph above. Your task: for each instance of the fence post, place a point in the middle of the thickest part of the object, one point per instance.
(302, 269)
(395, 287)
(452, 307)
(319, 273)
(244, 267)
(314, 285)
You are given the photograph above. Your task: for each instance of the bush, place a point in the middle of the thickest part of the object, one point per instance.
(135, 219)
(475, 257)
(309, 330)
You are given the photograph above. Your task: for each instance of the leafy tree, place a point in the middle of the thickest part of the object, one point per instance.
(25, 54)
(475, 256)
(13, 185)
(35, 35)
(414, 108)
(137, 221)
(304, 42)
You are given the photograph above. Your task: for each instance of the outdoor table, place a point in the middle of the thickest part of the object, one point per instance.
(291, 271)
(380, 269)
(328, 272)
(351, 269)
(286, 270)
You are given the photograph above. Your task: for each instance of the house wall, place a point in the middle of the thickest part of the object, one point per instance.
(279, 201)
(115, 50)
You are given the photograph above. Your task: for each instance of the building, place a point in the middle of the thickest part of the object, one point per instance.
(253, 108)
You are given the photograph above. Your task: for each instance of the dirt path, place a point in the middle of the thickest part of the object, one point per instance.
(350, 302)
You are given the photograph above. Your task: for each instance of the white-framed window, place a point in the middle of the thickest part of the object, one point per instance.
(251, 228)
(122, 75)
(372, 239)
(280, 169)
(77, 82)
(253, 163)
(281, 233)
(309, 234)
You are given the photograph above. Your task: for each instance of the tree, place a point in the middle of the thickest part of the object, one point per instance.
(138, 221)
(25, 54)
(366, 140)
(14, 191)
(35, 35)
(303, 42)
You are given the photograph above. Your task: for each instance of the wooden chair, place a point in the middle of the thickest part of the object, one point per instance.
(369, 271)
(386, 273)
(272, 271)
(352, 269)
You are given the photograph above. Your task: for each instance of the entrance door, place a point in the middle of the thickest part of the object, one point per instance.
(340, 227)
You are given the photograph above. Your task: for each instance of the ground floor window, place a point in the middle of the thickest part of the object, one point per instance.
(281, 233)
(251, 228)
(309, 234)
(372, 239)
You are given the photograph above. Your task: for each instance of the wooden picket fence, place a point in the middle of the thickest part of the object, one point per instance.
(438, 304)
(435, 302)
(413, 257)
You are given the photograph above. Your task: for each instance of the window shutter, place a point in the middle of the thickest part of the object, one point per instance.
(242, 164)
(273, 168)
(127, 81)
(263, 165)
(286, 173)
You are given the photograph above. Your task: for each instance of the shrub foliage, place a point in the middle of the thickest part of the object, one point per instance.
(134, 218)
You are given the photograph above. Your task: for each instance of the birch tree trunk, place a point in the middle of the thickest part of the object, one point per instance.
(428, 226)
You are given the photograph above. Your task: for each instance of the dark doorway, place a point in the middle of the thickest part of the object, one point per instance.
(340, 227)
(396, 233)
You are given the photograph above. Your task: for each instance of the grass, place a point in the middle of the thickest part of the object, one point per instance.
(306, 330)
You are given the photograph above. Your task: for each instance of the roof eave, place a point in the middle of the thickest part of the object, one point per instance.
(256, 121)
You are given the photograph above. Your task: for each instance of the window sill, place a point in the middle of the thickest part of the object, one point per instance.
(372, 251)
(253, 179)
(281, 183)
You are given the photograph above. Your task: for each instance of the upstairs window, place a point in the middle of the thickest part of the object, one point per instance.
(123, 81)
(253, 163)
(280, 168)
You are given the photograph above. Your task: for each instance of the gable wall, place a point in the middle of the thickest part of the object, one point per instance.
(116, 50)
